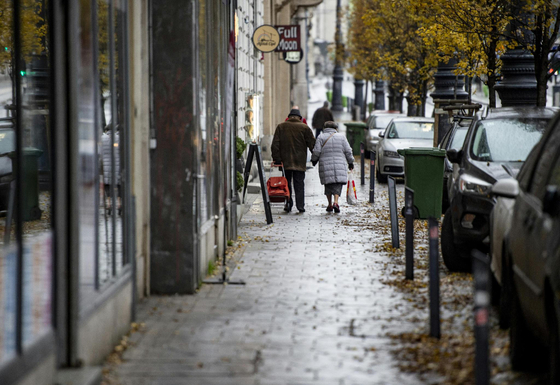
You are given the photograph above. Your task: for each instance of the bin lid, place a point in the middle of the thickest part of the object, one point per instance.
(432, 151)
(355, 124)
(27, 151)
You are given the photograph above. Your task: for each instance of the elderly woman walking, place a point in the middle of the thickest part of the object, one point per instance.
(334, 154)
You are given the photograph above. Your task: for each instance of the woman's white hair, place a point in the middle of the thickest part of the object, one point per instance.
(331, 124)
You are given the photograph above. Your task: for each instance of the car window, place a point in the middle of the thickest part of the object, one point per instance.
(382, 121)
(555, 173)
(411, 130)
(550, 152)
(506, 140)
(526, 171)
(7, 141)
(459, 138)
(371, 122)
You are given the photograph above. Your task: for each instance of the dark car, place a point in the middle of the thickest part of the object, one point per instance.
(531, 266)
(453, 140)
(495, 147)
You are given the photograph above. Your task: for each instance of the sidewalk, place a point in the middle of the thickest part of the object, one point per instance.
(313, 310)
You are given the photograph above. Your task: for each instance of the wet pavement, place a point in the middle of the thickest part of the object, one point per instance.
(324, 302)
(313, 310)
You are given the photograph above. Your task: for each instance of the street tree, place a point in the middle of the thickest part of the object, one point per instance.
(534, 27)
(385, 43)
(33, 33)
(472, 31)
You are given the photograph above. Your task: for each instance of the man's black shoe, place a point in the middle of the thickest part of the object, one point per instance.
(301, 210)
(288, 208)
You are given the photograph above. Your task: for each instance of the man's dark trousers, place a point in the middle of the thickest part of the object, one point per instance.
(299, 187)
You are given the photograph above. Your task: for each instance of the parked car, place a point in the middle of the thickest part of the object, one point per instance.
(7, 145)
(401, 133)
(501, 140)
(453, 140)
(531, 263)
(377, 123)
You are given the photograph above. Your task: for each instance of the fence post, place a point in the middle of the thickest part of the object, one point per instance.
(482, 282)
(372, 177)
(434, 278)
(391, 185)
(362, 165)
(409, 241)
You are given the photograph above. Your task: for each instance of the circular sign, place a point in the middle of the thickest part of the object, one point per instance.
(266, 38)
(293, 57)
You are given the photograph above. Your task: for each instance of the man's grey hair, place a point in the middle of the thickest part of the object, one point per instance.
(331, 124)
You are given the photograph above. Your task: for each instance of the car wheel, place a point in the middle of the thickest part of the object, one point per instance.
(525, 353)
(380, 177)
(455, 257)
(504, 307)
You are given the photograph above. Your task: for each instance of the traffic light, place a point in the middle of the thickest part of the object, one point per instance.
(554, 64)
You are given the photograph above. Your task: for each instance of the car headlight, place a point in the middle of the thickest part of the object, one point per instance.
(391, 154)
(475, 186)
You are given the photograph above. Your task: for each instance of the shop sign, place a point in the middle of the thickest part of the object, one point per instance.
(293, 57)
(266, 38)
(289, 38)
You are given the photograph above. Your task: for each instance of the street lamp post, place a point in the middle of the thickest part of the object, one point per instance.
(359, 95)
(518, 86)
(379, 95)
(338, 74)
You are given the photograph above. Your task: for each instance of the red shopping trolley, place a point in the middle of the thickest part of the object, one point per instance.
(277, 186)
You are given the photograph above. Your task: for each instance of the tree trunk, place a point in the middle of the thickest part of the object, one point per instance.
(542, 79)
(491, 83)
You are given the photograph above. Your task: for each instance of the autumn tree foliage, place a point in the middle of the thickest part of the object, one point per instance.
(33, 32)
(471, 31)
(384, 43)
(402, 41)
(534, 27)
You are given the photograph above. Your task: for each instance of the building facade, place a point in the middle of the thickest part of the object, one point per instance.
(118, 129)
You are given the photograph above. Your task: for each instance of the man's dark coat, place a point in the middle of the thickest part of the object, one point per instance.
(321, 116)
(291, 140)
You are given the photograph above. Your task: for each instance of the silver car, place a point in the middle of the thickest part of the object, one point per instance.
(401, 133)
(377, 123)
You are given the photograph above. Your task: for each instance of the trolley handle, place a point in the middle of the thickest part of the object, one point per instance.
(279, 165)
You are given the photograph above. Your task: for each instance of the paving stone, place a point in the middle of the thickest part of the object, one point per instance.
(313, 310)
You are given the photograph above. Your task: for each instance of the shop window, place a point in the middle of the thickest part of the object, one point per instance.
(26, 246)
(102, 114)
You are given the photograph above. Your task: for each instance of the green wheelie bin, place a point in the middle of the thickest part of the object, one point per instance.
(356, 134)
(30, 189)
(423, 173)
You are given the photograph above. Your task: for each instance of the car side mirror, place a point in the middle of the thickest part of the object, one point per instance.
(381, 134)
(507, 188)
(551, 201)
(454, 156)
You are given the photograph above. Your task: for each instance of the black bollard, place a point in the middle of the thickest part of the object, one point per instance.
(372, 177)
(482, 290)
(391, 185)
(362, 165)
(434, 278)
(409, 215)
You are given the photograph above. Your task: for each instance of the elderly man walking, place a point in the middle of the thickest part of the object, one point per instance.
(321, 116)
(291, 140)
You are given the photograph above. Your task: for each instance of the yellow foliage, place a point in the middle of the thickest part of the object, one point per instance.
(33, 31)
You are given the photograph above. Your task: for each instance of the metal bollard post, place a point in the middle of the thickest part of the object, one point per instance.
(362, 165)
(434, 278)
(391, 185)
(372, 177)
(409, 215)
(482, 287)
